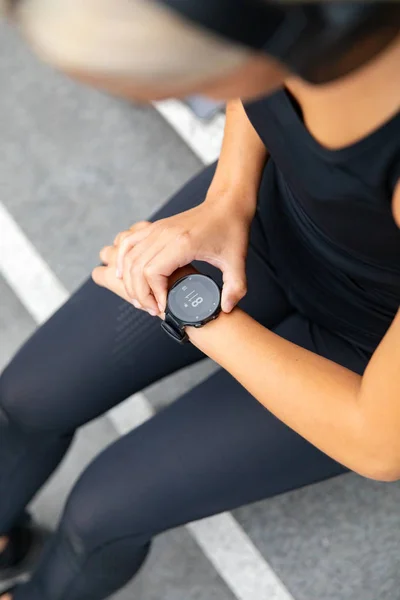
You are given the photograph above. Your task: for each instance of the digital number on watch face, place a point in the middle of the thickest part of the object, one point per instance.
(194, 299)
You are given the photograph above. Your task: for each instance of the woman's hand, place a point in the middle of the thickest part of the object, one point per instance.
(105, 276)
(216, 232)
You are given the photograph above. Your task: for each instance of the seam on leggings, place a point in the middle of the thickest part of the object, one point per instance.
(23, 453)
(95, 551)
(32, 431)
(14, 469)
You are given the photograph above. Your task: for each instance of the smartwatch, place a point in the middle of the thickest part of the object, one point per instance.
(193, 300)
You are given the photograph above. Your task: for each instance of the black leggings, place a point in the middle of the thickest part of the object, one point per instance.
(214, 449)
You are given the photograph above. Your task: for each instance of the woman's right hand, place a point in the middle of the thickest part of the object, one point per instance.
(216, 231)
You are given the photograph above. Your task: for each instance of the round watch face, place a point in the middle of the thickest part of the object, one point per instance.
(194, 299)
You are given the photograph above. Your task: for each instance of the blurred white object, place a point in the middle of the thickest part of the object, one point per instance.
(138, 38)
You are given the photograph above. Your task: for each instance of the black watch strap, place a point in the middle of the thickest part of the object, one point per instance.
(174, 329)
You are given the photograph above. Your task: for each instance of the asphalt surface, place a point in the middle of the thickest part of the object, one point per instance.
(76, 167)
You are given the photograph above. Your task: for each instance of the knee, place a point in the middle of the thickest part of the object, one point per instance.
(18, 406)
(99, 511)
(90, 520)
(85, 520)
(98, 536)
(12, 405)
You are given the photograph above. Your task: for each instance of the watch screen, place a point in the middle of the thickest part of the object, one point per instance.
(194, 299)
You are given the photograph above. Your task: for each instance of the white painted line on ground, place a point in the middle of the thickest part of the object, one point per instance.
(26, 272)
(223, 541)
(203, 138)
(237, 560)
(221, 538)
(135, 411)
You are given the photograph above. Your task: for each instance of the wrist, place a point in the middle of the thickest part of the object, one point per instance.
(233, 198)
(207, 338)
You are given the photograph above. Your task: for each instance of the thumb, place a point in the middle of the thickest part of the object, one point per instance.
(235, 285)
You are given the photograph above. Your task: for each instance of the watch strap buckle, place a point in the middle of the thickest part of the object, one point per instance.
(173, 330)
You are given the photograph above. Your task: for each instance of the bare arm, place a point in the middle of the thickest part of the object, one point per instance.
(348, 417)
(242, 159)
(354, 419)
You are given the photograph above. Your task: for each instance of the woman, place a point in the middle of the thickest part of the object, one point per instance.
(307, 191)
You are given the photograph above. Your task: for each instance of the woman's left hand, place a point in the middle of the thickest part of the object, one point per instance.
(105, 276)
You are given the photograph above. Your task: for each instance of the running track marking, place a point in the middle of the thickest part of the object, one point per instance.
(203, 138)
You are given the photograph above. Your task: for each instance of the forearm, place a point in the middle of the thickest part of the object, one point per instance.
(242, 160)
(314, 396)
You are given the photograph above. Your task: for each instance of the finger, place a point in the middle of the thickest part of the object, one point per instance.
(135, 227)
(137, 304)
(142, 252)
(235, 284)
(139, 225)
(108, 255)
(136, 272)
(121, 236)
(161, 266)
(105, 277)
(127, 244)
(132, 257)
(158, 284)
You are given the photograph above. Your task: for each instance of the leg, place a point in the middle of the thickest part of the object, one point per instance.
(96, 351)
(215, 449)
(92, 354)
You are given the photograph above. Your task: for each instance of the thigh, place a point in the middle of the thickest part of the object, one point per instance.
(213, 450)
(94, 352)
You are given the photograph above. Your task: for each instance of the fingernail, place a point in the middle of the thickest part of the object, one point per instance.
(152, 312)
(119, 274)
(136, 304)
(160, 306)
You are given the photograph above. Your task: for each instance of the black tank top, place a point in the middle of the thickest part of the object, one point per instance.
(330, 225)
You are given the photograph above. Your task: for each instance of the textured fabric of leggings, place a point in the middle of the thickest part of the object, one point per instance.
(214, 449)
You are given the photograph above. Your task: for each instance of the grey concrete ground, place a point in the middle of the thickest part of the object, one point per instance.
(75, 168)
